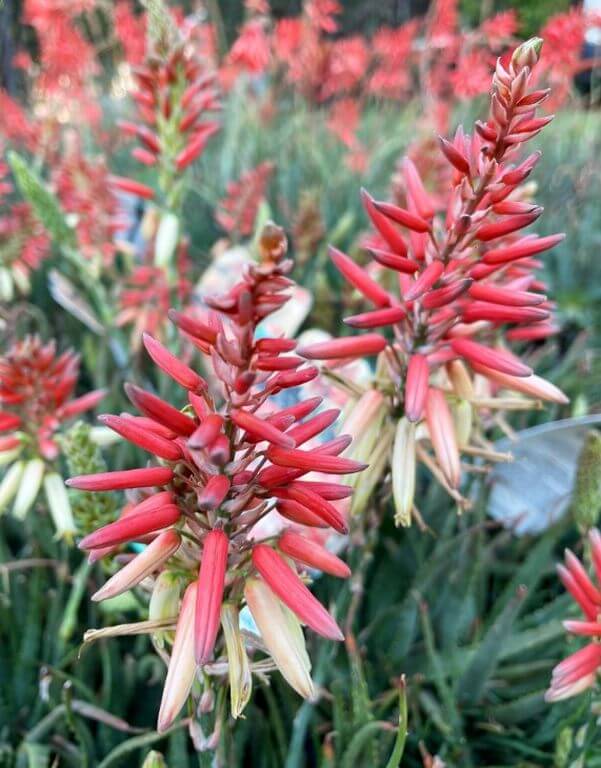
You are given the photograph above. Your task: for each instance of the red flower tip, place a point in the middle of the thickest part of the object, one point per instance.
(498, 360)
(285, 583)
(261, 429)
(143, 438)
(310, 553)
(359, 278)
(173, 367)
(348, 346)
(211, 583)
(416, 387)
(122, 479)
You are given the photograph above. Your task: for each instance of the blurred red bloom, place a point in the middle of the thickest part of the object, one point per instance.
(237, 212)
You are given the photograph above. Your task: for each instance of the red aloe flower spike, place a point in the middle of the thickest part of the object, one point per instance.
(127, 428)
(146, 477)
(377, 318)
(328, 491)
(80, 404)
(454, 156)
(261, 429)
(359, 278)
(289, 379)
(443, 296)
(507, 225)
(498, 360)
(173, 367)
(500, 314)
(285, 583)
(313, 461)
(211, 582)
(348, 346)
(416, 387)
(156, 408)
(310, 553)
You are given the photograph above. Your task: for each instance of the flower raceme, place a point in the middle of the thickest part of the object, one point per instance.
(36, 388)
(224, 462)
(578, 672)
(451, 287)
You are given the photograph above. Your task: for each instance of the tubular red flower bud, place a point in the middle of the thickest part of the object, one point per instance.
(285, 583)
(315, 503)
(403, 217)
(416, 387)
(392, 261)
(498, 360)
(209, 596)
(127, 428)
(207, 432)
(359, 278)
(261, 429)
(297, 513)
(131, 187)
(9, 421)
(329, 491)
(384, 226)
(277, 363)
(505, 296)
(416, 190)
(349, 346)
(310, 553)
(146, 477)
(442, 434)
(173, 367)
(299, 410)
(377, 318)
(507, 225)
(219, 451)
(500, 313)
(527, 246)
(425, 281)
(301, 433)
(313, 461)
(80, 404)
(132, 527)
(275, 346)
(289, 379)
(453, 155)
(214, 492)
(156, 408)
(195, 147)
(144, 156)
(443, 296)
(192, 326)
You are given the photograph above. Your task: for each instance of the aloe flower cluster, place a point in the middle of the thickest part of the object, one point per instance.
(222, 464)
(36, 399)
(453, 287)
(176, 103)
(578, 672)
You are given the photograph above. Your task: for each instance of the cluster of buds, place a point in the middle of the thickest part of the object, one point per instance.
(453, 289)
(225, 461)
(237, 212)
(23, 242)
(578, 672)
(176, 102)
(36, 388)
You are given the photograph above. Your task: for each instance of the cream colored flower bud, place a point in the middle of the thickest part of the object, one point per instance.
(28, 487)
(460, 379)
(403, 471)
(166, 240)
(462, 413)
(10, 484)
(240, 675)
(164, 603)
(59, 505)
